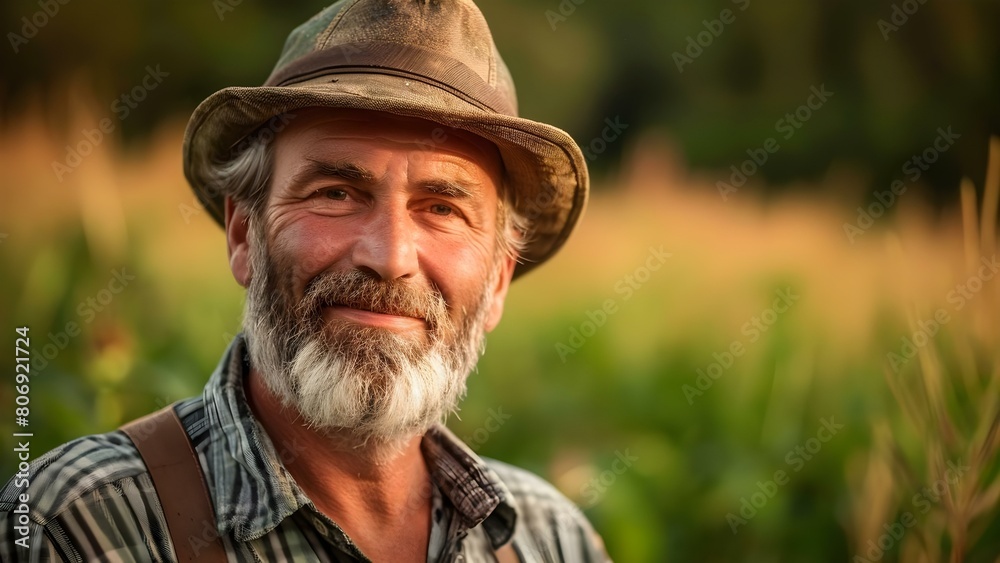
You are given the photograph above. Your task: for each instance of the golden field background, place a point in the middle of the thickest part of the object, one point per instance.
(622, 390)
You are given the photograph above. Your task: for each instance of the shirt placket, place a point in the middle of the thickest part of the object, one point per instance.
(334, 535)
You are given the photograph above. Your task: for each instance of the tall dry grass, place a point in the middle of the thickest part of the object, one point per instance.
(914, 498)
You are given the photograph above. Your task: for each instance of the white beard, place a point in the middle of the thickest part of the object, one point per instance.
(374, 383)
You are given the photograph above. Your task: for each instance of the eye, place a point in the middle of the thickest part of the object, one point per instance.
(441, 209)
(335, 194)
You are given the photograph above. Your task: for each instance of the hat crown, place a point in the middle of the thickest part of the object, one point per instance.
(453, 30)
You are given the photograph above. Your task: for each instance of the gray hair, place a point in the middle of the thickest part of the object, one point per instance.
(246, 176)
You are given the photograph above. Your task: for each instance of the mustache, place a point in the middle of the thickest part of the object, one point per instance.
(359, 290)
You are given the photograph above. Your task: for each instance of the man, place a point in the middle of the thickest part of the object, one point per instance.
(378, 195)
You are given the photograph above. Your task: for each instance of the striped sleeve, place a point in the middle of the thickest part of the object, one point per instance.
(90, 499)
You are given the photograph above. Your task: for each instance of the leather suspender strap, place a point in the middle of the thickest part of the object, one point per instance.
(176, 474)
(506, 554)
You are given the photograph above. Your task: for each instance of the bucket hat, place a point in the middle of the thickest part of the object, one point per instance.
(429, 59)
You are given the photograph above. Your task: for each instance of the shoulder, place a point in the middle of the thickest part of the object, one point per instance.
(546, 518)
(73, 470)
(89, 497)
(527, 487)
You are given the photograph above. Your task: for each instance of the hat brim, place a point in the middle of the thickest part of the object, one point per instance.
(546, 172)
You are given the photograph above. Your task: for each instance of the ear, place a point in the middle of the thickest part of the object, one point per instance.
(237, 241)
(500, 292)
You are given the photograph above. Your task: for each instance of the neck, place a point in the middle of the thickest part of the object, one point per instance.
(360, 484)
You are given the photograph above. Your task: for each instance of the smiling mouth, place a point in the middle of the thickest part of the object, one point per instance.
(385, 319)
(376, 310)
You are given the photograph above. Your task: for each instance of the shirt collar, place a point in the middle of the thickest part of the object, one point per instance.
(253, 492)
(474, 489)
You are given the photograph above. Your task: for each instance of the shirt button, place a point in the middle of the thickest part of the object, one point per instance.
(320, 526)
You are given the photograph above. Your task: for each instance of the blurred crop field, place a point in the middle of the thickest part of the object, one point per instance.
(710, 380)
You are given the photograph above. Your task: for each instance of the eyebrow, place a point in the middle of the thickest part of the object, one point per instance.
(321, 169)
(351, 171)
(449, 189)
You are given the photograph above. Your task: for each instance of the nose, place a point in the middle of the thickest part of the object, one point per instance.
(388, 246)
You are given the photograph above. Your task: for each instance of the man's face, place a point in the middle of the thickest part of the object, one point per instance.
(373, 271)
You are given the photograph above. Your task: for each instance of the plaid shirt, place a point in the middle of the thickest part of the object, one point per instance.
(92, 499)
